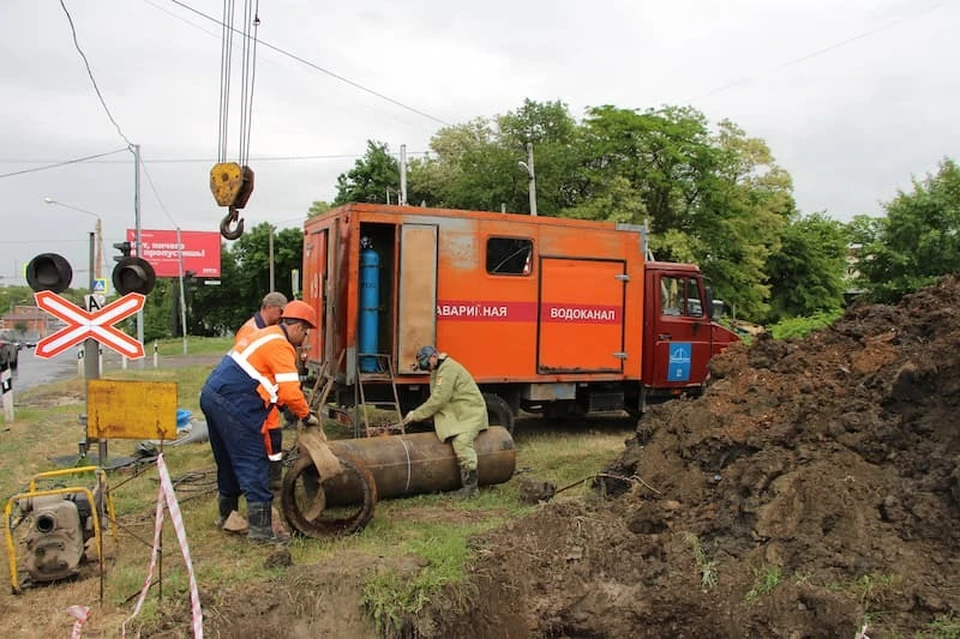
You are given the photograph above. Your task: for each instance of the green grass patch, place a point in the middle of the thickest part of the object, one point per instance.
(195, 346)
(765, 579)
(801, 326)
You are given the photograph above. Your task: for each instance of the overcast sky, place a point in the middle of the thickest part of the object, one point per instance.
(854, 97)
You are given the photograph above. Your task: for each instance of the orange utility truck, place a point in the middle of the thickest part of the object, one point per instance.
(550, 315)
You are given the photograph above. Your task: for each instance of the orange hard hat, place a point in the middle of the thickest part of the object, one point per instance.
(302, 311)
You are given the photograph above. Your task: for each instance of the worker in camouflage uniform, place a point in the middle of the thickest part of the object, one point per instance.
(458, 410)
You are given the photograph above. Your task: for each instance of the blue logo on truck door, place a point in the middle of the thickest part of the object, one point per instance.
(679, 368)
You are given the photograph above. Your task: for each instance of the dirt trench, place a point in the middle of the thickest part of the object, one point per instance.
(813, 491)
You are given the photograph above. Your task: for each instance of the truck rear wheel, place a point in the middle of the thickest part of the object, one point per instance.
(498, 412)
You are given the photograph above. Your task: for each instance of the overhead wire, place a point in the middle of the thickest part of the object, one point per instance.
(55, 165)
(818, 52)
(86, 64)
(319, 68)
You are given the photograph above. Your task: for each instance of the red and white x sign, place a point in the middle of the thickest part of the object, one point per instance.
(81, 325)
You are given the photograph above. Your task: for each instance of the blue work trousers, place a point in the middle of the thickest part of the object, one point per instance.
(238, 446)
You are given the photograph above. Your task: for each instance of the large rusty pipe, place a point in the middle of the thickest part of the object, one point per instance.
(419, 463)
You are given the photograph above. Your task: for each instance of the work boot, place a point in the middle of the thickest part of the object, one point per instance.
(469, 479)
(260, 516)
(276, 478)
(226, 505)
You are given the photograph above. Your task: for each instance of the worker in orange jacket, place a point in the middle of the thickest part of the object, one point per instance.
(259, 373)
(271, 309)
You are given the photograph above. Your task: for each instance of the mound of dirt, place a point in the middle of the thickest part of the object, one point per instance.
(813, 490)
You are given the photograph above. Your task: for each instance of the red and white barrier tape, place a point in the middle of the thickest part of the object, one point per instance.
(80, 613)
(168, 495)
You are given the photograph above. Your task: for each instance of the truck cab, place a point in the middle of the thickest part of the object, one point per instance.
(679, 332)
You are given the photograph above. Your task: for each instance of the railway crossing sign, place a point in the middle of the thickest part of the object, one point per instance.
(81, 325)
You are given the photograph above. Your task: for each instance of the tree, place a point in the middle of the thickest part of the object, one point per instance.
(318, 207)
(370, 176)
(806, 274)
(917, 242)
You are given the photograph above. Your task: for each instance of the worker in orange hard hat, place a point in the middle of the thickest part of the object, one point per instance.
(271, 310)
(259, 373)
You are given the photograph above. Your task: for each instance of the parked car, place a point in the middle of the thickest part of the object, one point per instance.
(9, 352)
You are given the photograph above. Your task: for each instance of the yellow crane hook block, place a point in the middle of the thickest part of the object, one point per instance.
(231, 184)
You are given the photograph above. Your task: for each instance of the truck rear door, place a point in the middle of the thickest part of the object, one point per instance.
(417, 308)
(314, 288)
(679, 330)
(581, 315)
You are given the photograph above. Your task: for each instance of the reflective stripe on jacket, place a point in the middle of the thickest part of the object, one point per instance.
(267, 356)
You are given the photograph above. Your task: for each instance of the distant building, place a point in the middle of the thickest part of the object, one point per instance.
(31, 320)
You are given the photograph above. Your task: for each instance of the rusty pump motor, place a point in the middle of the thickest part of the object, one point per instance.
(61, 526)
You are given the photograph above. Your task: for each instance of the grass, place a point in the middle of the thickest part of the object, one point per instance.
(434, 527)
(195, 346)
(765, 579)
(706, 569)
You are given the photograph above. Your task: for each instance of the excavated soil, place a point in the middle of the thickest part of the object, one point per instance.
(812, 491)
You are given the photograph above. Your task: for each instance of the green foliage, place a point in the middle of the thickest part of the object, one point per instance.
(370, 176)
(917, 242)
(765, 580)
(799, 327)
(806, 273)
(944, 627)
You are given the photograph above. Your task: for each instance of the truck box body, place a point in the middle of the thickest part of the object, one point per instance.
(541, 310)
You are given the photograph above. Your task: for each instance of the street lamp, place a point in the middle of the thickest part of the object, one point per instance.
(99, 233)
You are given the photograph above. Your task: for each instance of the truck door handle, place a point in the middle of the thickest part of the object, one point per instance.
(664, 336)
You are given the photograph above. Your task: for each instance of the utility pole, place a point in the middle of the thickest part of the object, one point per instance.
(91, 363)
(183, 303)
(403, 175)
(136, 212)
(270, 243)
(528, 167)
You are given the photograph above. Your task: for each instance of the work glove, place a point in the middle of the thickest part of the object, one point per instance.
(407, 419)
(311, 420)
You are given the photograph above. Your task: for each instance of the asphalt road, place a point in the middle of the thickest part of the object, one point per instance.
(34, 371)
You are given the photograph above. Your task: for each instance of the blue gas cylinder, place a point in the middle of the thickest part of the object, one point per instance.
(368, 341)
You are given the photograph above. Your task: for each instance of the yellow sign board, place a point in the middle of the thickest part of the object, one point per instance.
(131, 409)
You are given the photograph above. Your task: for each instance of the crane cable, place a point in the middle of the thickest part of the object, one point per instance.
(248, 34)
(232, 183)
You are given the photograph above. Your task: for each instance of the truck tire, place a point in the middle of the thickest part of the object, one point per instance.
(498, 412)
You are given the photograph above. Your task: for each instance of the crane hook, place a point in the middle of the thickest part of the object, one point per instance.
(225, 230)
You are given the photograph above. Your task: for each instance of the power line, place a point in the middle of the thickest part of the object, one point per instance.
(317, 67)
(275, 158)
(816, 53)
(59, 164)
(86, 64)
(157, 195)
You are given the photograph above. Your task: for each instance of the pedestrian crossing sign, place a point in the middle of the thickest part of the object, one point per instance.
(100, 285)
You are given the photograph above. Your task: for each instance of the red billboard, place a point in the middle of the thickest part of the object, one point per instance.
(201, 251)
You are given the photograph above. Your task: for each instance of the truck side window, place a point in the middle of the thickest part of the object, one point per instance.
(509, 256)
(670, 300)
(680, 296)
(694, 303)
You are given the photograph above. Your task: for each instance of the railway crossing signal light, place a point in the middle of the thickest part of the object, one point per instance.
(132, 274)
(124, 248)
(49, 272)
